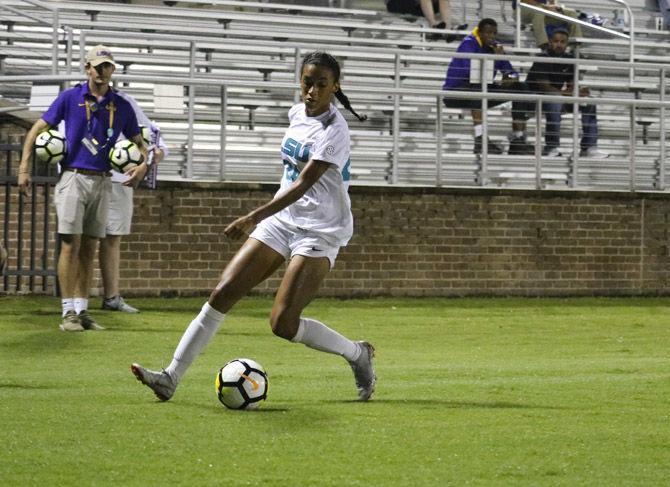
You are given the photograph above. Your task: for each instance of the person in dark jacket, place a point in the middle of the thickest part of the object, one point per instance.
(465, 74)
(557, 79)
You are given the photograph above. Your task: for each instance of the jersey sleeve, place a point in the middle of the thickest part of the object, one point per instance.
(333, 145)
(55, 114)
(130, 127)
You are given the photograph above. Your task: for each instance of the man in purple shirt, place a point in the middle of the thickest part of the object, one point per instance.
(461, 77)
(94, 117)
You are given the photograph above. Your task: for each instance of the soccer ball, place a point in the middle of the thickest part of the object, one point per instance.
(241, 384)
(145, 132)
(50, 146)
(125, 155)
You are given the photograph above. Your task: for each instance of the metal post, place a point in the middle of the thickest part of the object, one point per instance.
(82, 51)
(538, 144)
(70, 43)
(483, 169)
(631, 34)
(438, 141)
(396, 123)
(224, 124)
(191, 115)
(54, 43)
(575, 127)
(631, 148)
(661, 165)
(45, 238)
(518, 24)
(296, 96)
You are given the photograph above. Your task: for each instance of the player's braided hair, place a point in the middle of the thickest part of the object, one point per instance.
(320, 58)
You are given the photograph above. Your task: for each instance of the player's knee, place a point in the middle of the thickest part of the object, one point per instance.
(66, 238)
(224, 296)
(70, 244)
(284, 324)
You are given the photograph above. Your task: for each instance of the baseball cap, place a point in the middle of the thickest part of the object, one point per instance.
(99, 54)
(562, 30)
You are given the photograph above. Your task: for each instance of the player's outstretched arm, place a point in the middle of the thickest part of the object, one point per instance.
(308, 176)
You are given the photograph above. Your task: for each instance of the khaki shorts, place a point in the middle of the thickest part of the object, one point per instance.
(288, 242)
(82, 204)
(120, 209)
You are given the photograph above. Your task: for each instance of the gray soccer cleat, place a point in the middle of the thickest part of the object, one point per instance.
(118, 304)
(159, 382)
(71, 322)
(88, 323)
(364, 372)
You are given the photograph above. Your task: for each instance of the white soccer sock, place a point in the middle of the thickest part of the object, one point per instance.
(67, 304)
(80, 304)
(318, 336)
(195, 339)
(479, 130)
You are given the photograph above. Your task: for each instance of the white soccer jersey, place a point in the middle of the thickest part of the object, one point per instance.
(325, 209)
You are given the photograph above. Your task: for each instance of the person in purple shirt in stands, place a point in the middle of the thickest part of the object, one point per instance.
(464, 74)
(94, 118)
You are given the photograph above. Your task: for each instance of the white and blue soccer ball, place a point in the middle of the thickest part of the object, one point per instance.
(50, 146)
(125, 155)
(241, 384)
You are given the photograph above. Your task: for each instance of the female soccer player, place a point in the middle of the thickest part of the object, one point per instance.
(306, 223)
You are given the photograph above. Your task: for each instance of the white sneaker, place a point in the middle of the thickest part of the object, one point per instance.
(593, 153)
(118, 304)
(364, 372)
(553, 152)
(88, 323)
(159, 382)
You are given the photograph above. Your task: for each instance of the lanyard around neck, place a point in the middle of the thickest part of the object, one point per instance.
(112, 110)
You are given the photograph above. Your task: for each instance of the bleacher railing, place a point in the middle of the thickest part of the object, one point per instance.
(398, 93)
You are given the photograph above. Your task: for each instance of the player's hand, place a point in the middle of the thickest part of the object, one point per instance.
(240, 228)
(24, 182)
(508, 82)
(135, 175)
(584, 91)
(158, 155)
(498, 49)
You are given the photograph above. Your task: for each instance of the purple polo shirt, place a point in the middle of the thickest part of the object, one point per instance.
(71, 107)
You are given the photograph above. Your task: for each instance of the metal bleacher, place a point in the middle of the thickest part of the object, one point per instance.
(250, 51)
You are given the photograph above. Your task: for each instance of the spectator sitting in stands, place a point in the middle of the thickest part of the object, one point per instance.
(557, 79)
(543, 26)
(427, 9)
(461, 76)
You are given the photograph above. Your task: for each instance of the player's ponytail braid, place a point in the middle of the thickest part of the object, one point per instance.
(344, 100)
(321, 58)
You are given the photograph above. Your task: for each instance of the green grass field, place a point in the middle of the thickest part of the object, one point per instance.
(470, 392)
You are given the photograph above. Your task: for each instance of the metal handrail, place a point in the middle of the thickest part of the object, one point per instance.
(193, 81)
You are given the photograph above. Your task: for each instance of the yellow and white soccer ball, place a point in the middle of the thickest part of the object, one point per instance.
(241, 384)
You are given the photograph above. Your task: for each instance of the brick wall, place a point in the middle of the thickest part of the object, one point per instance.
(422, 242)
(408, 241)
